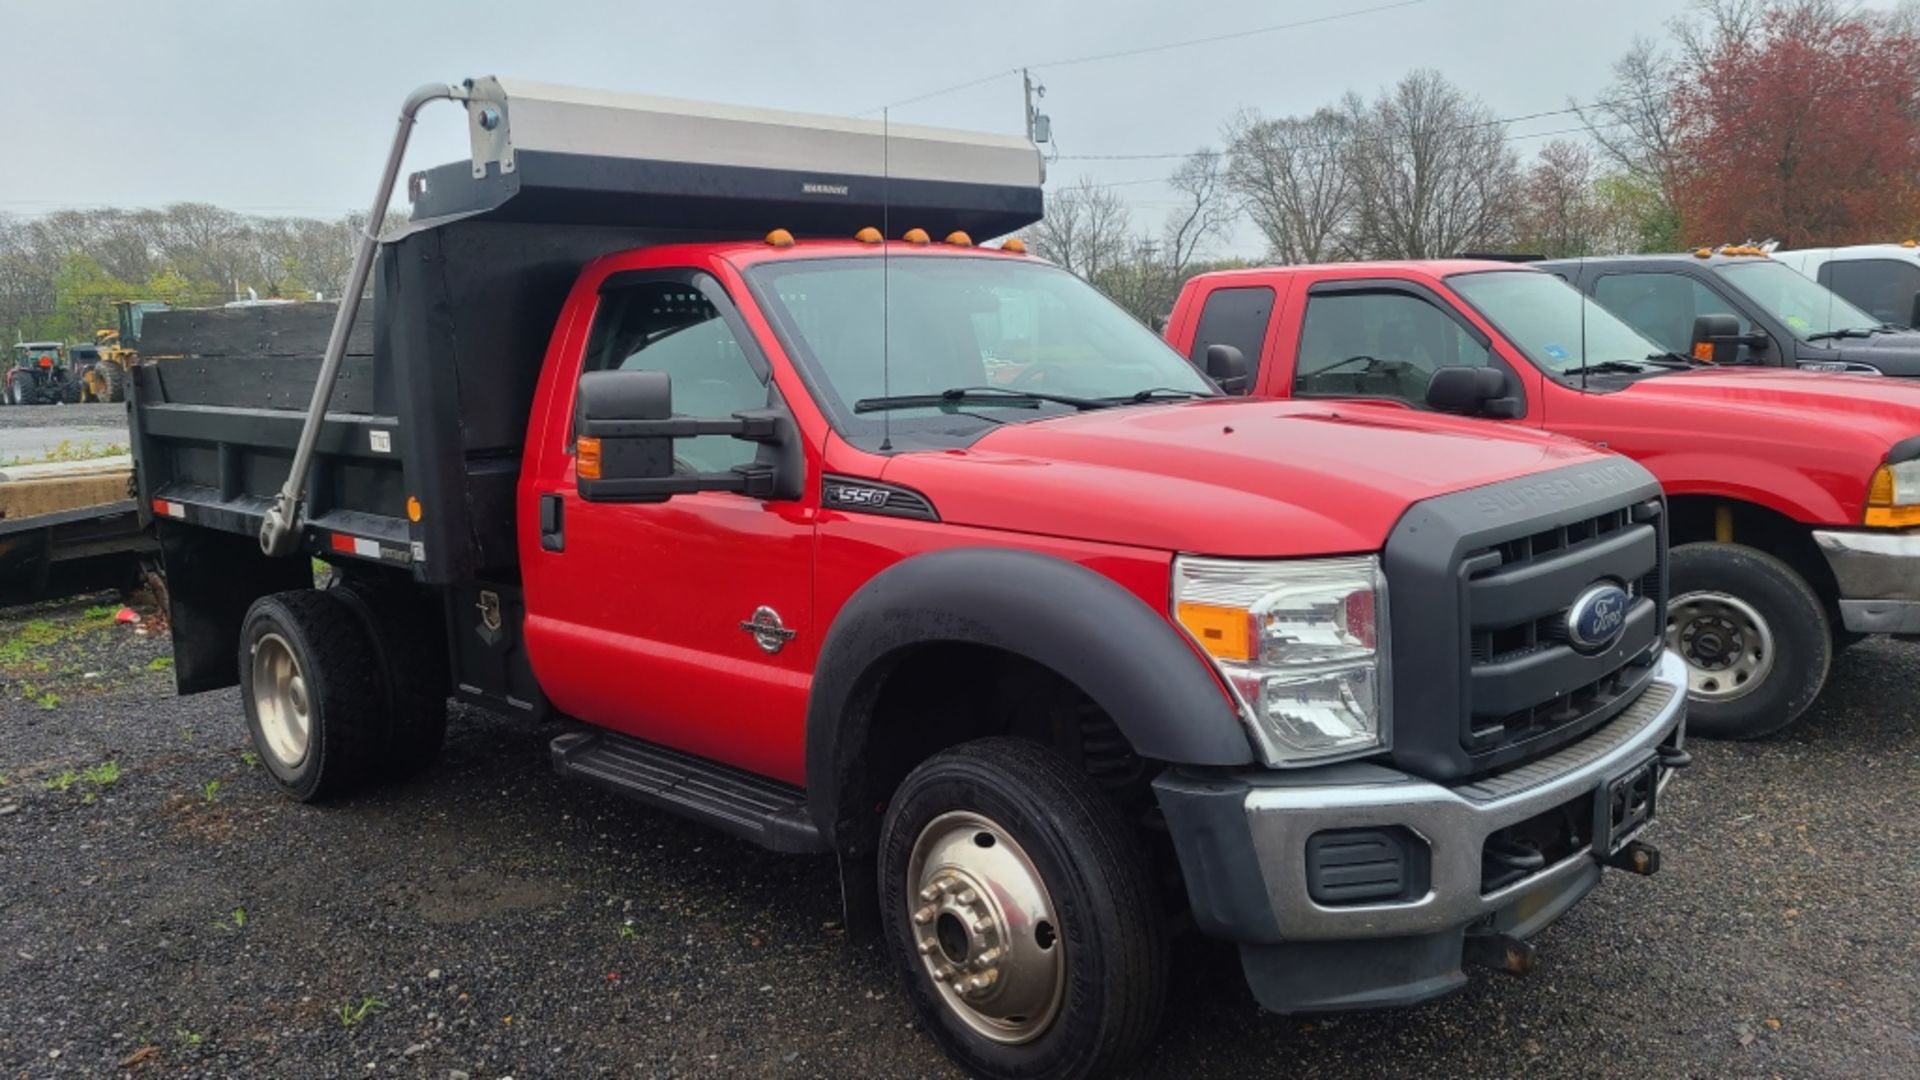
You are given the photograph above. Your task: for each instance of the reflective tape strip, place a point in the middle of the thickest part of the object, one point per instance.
(169, 509)
(354, 545)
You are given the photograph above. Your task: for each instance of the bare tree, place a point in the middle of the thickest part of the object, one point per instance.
(1292, 177)
(1203, 214)
(1433, 172)
(206, 242)
(1559, 215)
(1634, 122)
(1087, 229)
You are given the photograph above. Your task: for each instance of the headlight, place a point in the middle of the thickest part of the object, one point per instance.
(1893, 496)
(1301, 642)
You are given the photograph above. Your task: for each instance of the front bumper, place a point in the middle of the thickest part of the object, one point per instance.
(1243, 840)
(1879, 578)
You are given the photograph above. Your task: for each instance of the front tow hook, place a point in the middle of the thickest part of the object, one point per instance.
(1637, 857)
(1501, 952)
(1672, 757)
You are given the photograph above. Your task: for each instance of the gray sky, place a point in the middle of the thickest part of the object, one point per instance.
(286, 106)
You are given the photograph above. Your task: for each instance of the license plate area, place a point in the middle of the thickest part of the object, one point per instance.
(1624, 805)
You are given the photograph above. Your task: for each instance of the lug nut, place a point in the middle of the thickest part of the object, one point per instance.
(924, 915)
(981, 925)
(968, 896)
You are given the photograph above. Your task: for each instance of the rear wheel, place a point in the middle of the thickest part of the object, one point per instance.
(19, 390)
(1021, 913)
(1755, 638)
(112, 380)
(307, 685)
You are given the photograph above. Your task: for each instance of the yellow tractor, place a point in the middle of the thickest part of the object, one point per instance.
(115, 352)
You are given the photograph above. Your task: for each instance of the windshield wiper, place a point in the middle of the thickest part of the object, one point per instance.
(976, 395)
(1674, 360)
(1158, 393)
(1851, 331)
(1612, 367)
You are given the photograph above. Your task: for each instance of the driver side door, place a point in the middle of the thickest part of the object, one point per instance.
(686, 622)
(1379, 341)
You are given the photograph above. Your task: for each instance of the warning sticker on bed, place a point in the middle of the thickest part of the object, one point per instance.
(381, 441)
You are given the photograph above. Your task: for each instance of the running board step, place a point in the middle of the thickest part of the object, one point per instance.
(752, 807)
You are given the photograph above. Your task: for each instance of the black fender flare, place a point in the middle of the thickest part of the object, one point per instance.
(1126, 656)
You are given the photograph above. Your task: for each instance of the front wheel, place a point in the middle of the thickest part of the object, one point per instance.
(1755, 638)
(1021, 913)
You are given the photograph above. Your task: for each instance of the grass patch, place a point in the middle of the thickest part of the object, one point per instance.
(63, 780)
(160, 663)
(68, 450)
(104, 774)
(36, 634)
(351, 1014)
(210, 791)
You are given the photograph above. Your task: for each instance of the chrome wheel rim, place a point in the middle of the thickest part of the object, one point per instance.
(1726, 643)
(984, 926)
(280, 700)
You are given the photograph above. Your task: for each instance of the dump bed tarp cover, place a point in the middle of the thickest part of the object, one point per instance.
(555, 154)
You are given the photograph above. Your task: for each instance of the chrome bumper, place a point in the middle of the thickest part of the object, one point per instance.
(1879, 578)
(1455, 822)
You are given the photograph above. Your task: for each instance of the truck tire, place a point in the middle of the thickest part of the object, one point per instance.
(311, 697)
(19, 390)
(1073, 989)
(115, 378)
(1755, 637)
(410, 641)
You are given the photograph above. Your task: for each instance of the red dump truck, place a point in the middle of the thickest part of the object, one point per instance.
(708, 436)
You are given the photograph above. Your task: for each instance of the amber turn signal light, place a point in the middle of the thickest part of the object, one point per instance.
(1703, 351)
(1225, 632)
(586, 457)
(1881, 511)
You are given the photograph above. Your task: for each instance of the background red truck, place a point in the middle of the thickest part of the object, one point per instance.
(1793, 494)
(923, 555)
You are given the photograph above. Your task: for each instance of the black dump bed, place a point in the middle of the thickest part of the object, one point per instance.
(432, 401)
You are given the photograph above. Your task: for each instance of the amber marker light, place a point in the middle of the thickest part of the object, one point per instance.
(868, 235)
(917, 236)
(413, 509)
(780, 238)
(586, 457)
(1225, 632)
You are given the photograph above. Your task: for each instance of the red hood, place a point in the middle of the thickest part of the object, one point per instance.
(1234, 477)
(1874, 411)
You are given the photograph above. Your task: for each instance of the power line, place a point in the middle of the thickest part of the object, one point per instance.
(1143, 50)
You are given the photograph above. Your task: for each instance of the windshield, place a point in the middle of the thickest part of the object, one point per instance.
(998, 325)
(1804, 305)
(1556, 325)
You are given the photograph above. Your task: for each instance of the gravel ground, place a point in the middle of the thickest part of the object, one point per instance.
(32, 432)
(493, 920)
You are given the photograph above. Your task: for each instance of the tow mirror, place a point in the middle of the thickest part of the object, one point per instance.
(1717, 339)
(1227, 367)
(624, 429)
(1473, 391)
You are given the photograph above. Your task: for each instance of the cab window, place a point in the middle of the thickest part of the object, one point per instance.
(671, 326)
(1236, 317)
(1663, 306)
(1379, 345)
(1883, 288)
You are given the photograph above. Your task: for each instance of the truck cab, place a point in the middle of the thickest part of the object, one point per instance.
(709, 437)
(1757, 309)
(1882, 280)
(1793, 495)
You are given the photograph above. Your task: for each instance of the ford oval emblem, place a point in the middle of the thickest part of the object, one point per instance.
(1597, 616)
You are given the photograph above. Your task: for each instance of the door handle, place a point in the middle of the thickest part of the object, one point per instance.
(553, 532)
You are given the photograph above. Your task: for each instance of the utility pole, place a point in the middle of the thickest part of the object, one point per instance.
(1039, 127)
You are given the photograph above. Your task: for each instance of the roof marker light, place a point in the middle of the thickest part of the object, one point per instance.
(780, 238)
(1703, 253)
(959, 239)
(916, 236)
(869, 235)
(1015, 245)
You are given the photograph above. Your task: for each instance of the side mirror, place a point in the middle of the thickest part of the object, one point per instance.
(1717, 339)
(1472, 391)
(1227, 367)
(624, 429)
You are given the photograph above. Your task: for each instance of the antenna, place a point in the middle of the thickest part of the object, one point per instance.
(1580, 294)
(886, 278)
